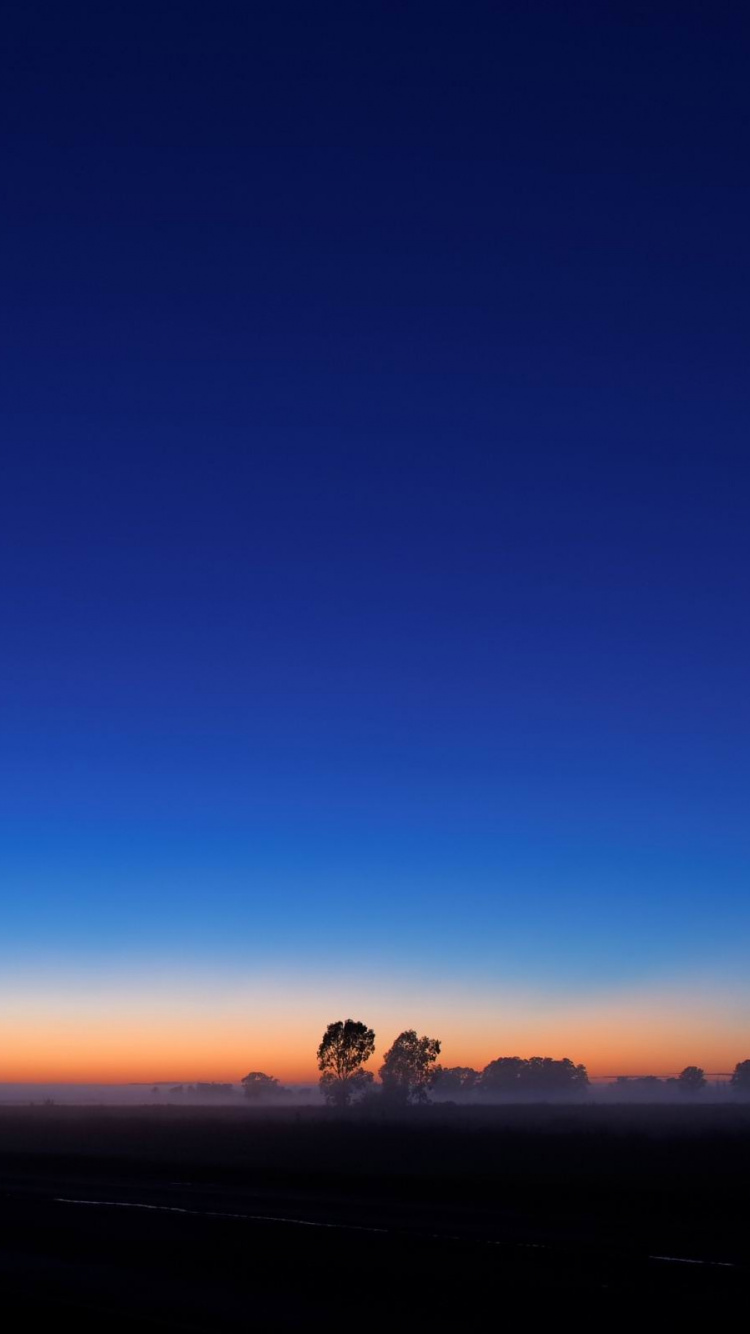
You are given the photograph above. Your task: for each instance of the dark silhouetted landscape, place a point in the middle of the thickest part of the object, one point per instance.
(183, 1218)
(451, 1185)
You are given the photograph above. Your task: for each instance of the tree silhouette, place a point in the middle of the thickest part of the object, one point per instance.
(455, 1080)
(536, 1077)
(257, 1085)
(692, 1079)
(408, 1067)
(345, 1047)
(545, 1075)
(740, 1080)
(503, 1075)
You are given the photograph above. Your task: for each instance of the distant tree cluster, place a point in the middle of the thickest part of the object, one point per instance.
(642, 1083)
(257, 1086)
(533, 1076)
(690, 1081)
(410, 1072)
(457, 1080)
(212, 1088)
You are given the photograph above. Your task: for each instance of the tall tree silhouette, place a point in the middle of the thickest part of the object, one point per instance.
(408, 1067)
(345, 1047)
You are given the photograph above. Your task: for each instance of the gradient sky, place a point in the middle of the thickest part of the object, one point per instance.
(374, 533)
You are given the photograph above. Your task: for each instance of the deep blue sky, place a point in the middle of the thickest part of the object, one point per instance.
(374, 496)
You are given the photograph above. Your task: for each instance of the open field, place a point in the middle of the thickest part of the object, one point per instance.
(224, 1218)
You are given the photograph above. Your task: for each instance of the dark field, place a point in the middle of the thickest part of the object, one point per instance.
(181, 1218)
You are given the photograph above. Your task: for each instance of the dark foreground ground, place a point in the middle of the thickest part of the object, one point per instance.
(178, 1218)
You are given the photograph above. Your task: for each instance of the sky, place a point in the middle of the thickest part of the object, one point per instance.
(374, 539)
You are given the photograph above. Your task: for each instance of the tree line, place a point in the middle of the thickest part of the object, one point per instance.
(410, 1072)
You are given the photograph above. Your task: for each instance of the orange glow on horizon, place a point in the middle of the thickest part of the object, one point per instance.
(121, 1048)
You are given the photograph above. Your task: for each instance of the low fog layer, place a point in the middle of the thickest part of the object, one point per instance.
(135, 1095)
(631, 1090)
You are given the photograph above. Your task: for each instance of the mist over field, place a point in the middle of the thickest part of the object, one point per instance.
(138, 1095)
(290, 1096)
